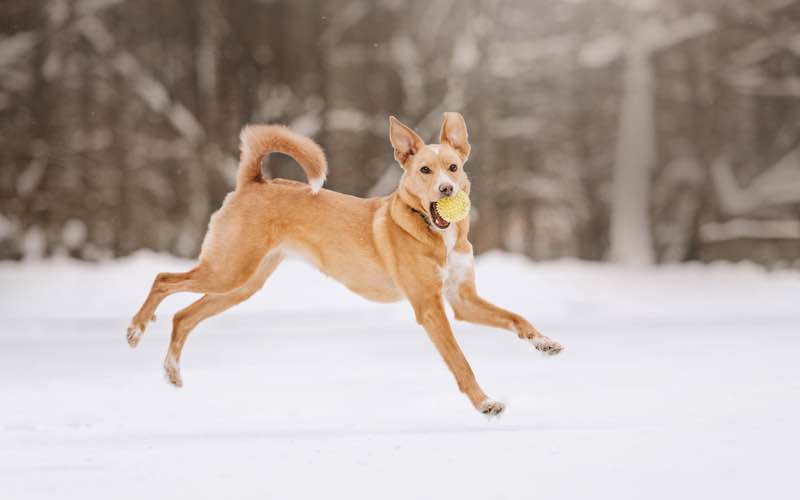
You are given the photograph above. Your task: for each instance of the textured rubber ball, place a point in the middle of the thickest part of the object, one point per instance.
(454, 208)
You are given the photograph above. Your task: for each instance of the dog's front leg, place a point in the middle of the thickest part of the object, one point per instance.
(469, 306)
(431, 315)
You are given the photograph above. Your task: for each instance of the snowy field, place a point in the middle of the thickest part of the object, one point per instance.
(681, 382)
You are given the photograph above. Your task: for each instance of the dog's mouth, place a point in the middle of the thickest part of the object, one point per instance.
(438, 221)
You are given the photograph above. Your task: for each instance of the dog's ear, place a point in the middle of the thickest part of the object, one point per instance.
(405, 141)
(454, 134)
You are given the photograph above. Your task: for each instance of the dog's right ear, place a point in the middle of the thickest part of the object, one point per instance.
(406, 142)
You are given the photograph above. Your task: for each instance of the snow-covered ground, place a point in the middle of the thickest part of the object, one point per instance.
(679, 382)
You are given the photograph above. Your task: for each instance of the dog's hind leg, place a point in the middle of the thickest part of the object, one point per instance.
(163, 285)
(225, 265)
(209, 305)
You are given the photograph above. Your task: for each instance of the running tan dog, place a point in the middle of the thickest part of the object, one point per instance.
(384, 249)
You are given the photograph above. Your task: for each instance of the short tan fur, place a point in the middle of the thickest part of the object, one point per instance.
(385, 249)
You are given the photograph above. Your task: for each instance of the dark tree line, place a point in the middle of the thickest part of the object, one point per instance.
(638, 131)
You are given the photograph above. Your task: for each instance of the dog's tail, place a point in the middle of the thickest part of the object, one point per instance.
(258, 141)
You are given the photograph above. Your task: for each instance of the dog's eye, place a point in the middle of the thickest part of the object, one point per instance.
(425, 170)
(453, 167)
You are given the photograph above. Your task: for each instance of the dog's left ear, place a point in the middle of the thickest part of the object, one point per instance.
(454, 133)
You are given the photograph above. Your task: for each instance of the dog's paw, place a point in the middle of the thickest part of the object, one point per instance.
(172, 371)
(546, 346)
(136, 330)
(134, 335)
(491, 408)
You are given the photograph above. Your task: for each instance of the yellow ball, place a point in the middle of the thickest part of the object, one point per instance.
(454, 208)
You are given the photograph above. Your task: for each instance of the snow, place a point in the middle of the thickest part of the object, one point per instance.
(677, 382)
(602, 51)
(15, 46)
(778, 184)
(349, 119)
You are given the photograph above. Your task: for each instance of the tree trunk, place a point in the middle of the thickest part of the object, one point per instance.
(631, 239)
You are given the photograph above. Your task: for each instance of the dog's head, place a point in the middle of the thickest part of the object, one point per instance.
(431, 171)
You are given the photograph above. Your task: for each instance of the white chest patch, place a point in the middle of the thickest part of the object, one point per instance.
(449, 235)
(458, 266)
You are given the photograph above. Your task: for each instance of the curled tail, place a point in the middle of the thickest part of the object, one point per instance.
(258, 141)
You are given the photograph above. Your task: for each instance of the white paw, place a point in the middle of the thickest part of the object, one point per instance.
(134, 335)
(136, 330)
(491, 408)
(546, 346)
(172, 371)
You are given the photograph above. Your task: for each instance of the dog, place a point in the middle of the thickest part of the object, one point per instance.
(385, 249)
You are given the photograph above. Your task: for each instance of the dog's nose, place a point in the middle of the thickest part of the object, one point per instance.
(446, 189)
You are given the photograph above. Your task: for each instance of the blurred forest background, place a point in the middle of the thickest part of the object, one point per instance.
(627, 130)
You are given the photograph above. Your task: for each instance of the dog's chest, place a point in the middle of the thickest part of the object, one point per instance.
(449, 237)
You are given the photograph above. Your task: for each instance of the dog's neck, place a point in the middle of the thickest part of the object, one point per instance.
(411, 218)
(424, 216)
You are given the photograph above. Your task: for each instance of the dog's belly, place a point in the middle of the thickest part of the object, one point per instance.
(376, 294)
(362, 274)
(368, 281)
